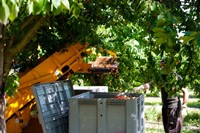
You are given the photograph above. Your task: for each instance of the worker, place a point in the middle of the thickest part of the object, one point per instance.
(171, 106)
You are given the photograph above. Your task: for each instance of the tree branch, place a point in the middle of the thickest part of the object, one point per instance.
(33, 26)
(27, 22)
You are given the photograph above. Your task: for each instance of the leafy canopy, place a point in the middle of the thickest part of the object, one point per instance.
(140, 32)
(144, 32)
(10, 9)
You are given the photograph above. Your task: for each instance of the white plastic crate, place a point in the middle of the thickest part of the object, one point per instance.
(52, 100)
(82, 89)
(101, 112)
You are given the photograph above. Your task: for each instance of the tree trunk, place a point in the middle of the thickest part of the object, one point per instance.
(5, 64)
(2, 94)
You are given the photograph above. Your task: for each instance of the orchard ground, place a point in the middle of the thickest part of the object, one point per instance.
(153, 117)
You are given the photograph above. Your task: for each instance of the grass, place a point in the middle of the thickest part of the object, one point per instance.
(190, 131)
(192, 104)
(192, 119)
(153, 103)
(153, 130)
(153, 114)
(195, 104)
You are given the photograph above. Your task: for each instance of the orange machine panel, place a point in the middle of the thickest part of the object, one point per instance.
(47, 71)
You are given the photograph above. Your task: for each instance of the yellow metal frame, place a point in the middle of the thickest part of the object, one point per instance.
(47, 71)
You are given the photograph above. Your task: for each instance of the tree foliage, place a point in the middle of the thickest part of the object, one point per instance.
(144, 34)
(22, 19)
(140, 32)
(10, 9)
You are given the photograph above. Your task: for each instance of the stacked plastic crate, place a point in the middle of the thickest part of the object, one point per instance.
(53, 105)
(101, 112)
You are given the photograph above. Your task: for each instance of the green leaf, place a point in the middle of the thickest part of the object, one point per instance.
(141, 6)
(171, 18)
(76, 11)
(56, 3)
(4, 12)
(30, 7)
(56, 11)
(161, 34)
(154, 6)
(14, 9)
(66, 3)
(16, 83)
(160, 41)
(2, 15)
(169, 42)
(38, 6)
(9, 93)
(80, 5)
(194, 34)
(186, 39)
(161, 22)
(157, 29)
(11, 84)
(48, 7)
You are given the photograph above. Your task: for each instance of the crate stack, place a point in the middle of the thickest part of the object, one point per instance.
(53, 105)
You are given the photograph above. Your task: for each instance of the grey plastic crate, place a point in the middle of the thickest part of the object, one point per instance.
(52, 100)
(56, 124)
(101, 112)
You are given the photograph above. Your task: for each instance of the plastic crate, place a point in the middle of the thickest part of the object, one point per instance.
(56, 124)
(101, 112)
(52, 100)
